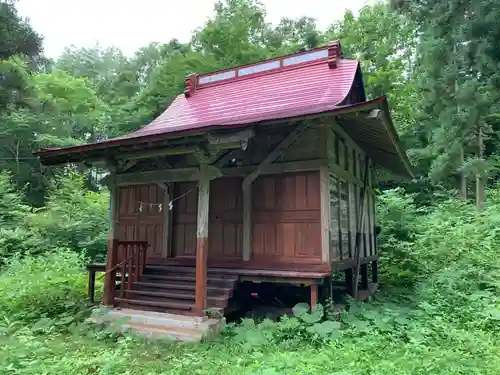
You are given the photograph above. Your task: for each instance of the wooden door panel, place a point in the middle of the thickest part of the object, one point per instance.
(286, 218)
(185, 209)
(141, 217)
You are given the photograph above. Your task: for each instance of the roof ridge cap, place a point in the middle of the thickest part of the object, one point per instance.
(331, 51)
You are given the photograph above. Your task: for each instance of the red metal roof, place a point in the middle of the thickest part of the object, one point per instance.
(309, 83)
(302, 89)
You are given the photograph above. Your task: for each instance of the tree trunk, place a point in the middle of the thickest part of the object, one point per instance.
(480, 174)
(463, 177)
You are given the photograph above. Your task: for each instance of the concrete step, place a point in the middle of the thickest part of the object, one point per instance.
(160, 325)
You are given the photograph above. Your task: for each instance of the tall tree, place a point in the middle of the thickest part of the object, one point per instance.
(459, 60)
(17, 37)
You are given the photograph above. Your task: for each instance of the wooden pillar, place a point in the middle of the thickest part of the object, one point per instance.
(314, 297)
(112, 254)
(375, 271)
(202, 240)
(349, 281)
(91, 290)
(364, 276)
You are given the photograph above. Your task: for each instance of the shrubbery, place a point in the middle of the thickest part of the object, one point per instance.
(73, 218)
(44, 290)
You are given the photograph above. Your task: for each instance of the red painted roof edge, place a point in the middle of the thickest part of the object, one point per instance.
(151, 137)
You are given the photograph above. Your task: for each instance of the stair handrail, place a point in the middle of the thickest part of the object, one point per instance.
(140, 243)
(115, 267)
(135, 267)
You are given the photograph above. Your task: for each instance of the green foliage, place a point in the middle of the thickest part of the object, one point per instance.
(73, 217)
(446, 322)
(17, 37)
(398, 217)
(43, 290)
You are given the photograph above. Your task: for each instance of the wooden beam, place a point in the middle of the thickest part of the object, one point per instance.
(292, 166)
(128, 164)
(276, 152)
(192, 173)
(233, 137)
(352, 189)
(178, 150)
(361, 220)
(337, 128)
(162, 175)
(112, 253)
(164, 151)
(202, 240)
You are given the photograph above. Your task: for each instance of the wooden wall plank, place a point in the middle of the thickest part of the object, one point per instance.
(325, 213)
(352, 191)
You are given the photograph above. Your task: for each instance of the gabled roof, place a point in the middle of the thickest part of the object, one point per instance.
(290, 86)
(315, 82)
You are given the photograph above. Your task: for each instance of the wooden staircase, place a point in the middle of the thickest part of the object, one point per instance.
(171, 288)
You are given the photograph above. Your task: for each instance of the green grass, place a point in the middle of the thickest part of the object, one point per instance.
(439, 314)
(421, 347)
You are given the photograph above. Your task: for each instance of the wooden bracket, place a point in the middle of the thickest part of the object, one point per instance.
(274, 154)
(128, 164)
(238, 139)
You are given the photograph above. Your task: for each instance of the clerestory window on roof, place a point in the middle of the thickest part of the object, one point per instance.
(315, 55)
(259, 68)
(217, 77)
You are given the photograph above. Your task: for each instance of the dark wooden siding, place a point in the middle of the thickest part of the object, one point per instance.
(185, 208)
(225, 227)
(286, 218)
(226, 219)
(346, 179)
(140, 216)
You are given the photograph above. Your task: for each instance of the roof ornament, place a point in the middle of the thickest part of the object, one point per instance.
(191, 83)
(334, 54)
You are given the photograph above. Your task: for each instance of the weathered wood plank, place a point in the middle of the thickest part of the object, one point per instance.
(247, 222)
(352, 201)
(325, 213)
(360, 224)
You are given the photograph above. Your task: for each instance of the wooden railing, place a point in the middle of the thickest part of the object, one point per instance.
(128, 258)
